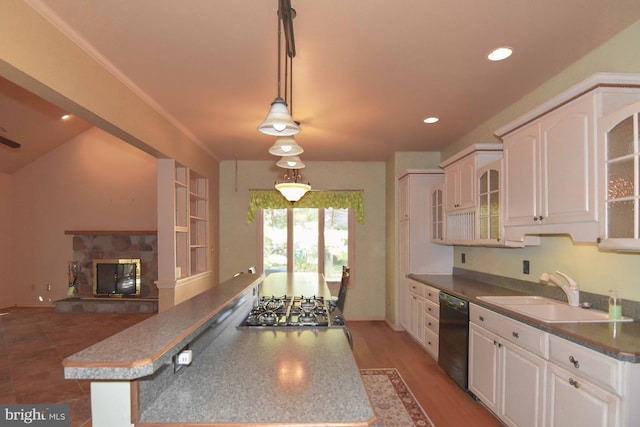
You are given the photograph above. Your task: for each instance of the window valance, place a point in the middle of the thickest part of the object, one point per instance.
(271, 199)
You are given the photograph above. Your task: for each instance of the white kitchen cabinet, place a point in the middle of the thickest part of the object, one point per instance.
(489, 204)
(575, 402)
(416, 308)
(619, 145)
(416, 252)
(437, 214)
(507, 367)
(558, 173)
(459, 184)
(461, 191)
(549, 168)
(423, 318)
(584, 387)
(460, 174)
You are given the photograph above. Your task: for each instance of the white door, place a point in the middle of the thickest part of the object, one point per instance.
(574, 402)
(484, 374)
(568, 164)
(522, 176)
(523, 387)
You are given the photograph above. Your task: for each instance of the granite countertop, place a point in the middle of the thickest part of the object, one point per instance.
(620, 340)
(146, 346)
(278, 376)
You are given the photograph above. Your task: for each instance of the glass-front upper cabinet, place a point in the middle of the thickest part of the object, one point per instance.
(437, 214)
(489, 203)
(620, 186)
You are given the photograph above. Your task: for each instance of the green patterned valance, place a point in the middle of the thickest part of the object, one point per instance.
(271, 199)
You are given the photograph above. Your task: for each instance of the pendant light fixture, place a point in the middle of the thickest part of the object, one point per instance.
(292, 188)
(278, 121)
(285, 146)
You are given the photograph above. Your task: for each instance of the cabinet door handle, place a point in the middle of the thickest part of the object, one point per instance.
(574, 383)
(576, 363)
(481, 318)
(515, 334)
(540, 218)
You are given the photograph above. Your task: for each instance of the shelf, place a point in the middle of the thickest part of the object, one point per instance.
(109, 232)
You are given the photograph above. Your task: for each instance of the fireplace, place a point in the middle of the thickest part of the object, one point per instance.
(116, 277)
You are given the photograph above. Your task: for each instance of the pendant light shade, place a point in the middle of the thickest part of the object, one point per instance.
(292, 188)
(290, 162)
(285, 146)
(293, 191)
(279, 122)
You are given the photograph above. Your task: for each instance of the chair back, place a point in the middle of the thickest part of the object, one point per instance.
(342, 294)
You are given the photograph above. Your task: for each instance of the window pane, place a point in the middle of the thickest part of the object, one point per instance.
(620, 221)
(336, 243)
(621, 179)
(275, 240)
(620, 139)
(305, 240)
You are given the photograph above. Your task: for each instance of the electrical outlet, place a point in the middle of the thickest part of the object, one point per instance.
(525, 266)
(182, 358)
(463, 258)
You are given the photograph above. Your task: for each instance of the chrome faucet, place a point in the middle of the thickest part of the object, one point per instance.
(571, 289)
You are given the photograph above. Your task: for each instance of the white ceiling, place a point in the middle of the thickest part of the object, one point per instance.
(367, 72)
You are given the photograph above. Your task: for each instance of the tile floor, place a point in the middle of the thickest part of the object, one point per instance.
(33, 344)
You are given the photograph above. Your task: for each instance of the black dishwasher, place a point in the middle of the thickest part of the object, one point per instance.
(453, 346)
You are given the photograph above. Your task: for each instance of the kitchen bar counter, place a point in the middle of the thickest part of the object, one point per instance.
(238, 376)
(619, 340)
(143, 348)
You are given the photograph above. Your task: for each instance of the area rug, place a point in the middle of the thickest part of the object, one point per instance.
(392, 400)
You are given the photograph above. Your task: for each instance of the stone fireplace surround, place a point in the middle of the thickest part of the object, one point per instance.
(87, 247)
(90, 245)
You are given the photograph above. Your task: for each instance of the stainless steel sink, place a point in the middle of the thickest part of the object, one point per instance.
(549, 310)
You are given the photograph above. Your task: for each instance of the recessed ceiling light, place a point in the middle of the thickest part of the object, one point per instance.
(65, 116)
(431, 120)
(500, 53)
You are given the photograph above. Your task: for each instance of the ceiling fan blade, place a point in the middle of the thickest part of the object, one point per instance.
(9, 143)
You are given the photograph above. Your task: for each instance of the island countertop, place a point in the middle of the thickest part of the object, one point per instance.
(300, 376)
(303, 376)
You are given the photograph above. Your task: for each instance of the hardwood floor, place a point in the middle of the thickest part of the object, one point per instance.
(376, 345)
(34, 341)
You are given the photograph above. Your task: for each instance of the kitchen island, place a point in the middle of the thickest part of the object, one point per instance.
(239, 375)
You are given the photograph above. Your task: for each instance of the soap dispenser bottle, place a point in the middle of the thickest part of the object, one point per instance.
(615, 305)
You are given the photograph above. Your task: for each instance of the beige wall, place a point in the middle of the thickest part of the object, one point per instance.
(6, 292)
(238, 239)
(38, 57)
(596, 271)
(93, 182)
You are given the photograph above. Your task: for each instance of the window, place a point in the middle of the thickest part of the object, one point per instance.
(307, 240)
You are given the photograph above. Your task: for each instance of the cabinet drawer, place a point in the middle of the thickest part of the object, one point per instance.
(416, 287)
(432, 309)
(431, 343)
(525, 336)
(579, 360)
(432, 294)
(432, 323)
